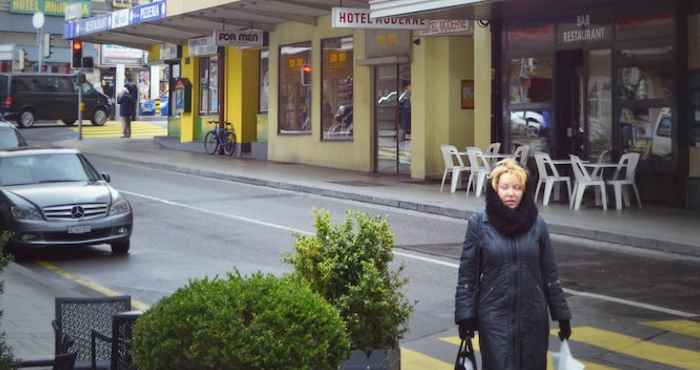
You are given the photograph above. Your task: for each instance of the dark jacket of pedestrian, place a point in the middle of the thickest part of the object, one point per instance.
(134, 92)
(126, 104)
(508, 283)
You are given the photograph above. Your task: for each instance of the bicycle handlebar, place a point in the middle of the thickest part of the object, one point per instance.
(220, 122)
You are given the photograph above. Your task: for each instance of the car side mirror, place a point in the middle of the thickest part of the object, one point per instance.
(106, 177)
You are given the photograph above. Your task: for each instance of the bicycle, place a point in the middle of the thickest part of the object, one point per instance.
(221, 139)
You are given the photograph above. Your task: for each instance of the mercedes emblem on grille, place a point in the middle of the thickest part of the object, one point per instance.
(77, 212)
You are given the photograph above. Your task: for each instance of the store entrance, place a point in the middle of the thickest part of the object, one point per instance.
(583, 103)
(392, 119)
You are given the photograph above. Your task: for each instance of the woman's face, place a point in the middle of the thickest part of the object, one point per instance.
(510, 190)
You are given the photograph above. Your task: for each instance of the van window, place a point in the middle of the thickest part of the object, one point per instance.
(22, 84)
(3, 85)
(64, 85)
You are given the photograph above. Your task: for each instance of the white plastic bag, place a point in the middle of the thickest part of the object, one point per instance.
(564, 360)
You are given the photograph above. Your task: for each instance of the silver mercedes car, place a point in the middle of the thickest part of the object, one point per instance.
(55, 197)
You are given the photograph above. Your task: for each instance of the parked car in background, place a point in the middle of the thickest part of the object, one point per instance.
(10, 138)
(55, 197)
(29, 97)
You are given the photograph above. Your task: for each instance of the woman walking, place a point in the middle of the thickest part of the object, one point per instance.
(508, 280)
(126, 110)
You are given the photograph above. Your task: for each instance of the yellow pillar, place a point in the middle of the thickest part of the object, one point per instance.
(482, 86)
(242, 92)
(188, 70)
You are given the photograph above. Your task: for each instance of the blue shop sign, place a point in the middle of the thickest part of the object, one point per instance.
(137, 15)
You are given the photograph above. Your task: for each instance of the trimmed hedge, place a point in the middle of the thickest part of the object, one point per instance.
(238, 323)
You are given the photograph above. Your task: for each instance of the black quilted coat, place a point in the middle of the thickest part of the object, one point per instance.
(518, 286)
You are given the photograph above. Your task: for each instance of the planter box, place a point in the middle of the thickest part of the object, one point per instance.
(375, 360)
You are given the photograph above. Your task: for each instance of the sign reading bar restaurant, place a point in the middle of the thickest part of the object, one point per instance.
(239, 39)
(55, 8)
(360, 18)
(583, 32)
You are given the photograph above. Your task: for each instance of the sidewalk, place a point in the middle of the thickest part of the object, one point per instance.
(28, 305)
(661, 229)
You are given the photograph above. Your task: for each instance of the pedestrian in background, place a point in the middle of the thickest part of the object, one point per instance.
(126, 110)
(508, 279)
(134, 92)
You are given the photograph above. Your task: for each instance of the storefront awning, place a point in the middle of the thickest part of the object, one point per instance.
(437, 9)
(176, 22)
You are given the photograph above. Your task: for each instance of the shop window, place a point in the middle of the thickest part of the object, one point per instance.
(209, 85)
(264, 88)
(530, 80)
(337, 88)
(600, 115)
(531, 127)
(645, 94)
(528, 38)
(644, 27)
(295, 86)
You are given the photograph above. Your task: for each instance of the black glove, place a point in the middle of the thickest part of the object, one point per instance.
(564, 329)
(467, 329)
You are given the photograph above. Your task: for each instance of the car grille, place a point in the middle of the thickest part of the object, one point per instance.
(68, 212)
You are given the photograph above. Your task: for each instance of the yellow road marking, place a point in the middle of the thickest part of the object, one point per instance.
(412, 360)
(89, 284)
(550, 364)
(112, 129)
(683, 327)
(638, 348)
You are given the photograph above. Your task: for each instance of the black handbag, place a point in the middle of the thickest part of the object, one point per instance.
(466, 359)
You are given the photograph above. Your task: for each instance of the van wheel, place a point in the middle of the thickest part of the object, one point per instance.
(99, 118)
(68, 122)
(26, 118)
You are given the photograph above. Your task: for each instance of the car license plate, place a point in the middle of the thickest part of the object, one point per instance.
(79, 229)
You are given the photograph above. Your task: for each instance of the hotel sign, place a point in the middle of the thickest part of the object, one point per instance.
(54, 8)
(584, 32)
(360, 18)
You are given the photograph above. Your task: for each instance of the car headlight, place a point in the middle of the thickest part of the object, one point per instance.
(25, 213)
(120, 206)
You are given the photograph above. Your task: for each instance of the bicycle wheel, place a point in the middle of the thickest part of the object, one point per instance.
(210, 143)
(231, 145)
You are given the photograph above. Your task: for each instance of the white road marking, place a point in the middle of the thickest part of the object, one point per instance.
(416, 257)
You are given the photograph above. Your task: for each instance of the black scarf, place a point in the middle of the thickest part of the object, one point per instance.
(511, 222)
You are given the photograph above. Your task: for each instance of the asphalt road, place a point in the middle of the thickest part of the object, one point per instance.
(189, 227)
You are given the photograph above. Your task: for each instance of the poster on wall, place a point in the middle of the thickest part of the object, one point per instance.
(467, 90)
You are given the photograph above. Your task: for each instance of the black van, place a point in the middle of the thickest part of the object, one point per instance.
(29, 97)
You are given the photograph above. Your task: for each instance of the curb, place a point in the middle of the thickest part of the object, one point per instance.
(567, 230)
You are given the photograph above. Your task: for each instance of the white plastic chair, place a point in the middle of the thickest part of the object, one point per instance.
(494, 148)
(598, 172)
(449, 154)
(521, 154)
(480, 170)
(543, 161)
(628, 163)
(583, 181)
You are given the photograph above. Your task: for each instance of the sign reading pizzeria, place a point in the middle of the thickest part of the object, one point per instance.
(360, 18)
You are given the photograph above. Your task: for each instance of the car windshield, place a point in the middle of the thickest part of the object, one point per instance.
(44, 168)
(8, 138)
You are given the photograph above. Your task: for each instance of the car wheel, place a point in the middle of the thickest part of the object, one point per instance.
(27, 118)
(68, 122)
(121, 248)
(99, 117)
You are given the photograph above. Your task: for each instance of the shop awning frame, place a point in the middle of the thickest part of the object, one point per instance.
(185, 21)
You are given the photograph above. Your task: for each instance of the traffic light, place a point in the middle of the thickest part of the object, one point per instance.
(77, 49)
(306, 75)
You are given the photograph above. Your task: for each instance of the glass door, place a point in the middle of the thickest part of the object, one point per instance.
(392, 115)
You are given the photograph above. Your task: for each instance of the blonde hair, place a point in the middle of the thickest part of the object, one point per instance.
(508, 166)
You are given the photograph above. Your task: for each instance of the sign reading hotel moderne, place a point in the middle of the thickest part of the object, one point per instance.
(360, 18)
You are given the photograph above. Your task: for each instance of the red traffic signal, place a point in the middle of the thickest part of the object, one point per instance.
(77, 49)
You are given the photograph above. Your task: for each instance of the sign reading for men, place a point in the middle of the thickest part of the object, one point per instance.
(239, 39)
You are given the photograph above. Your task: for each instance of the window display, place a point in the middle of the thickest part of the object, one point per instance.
(530, 80)
(295, 88)
(337, 89)
(264, 80)
(209, 85)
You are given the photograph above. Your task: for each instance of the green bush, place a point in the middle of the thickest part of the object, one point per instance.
(349, 265)
(6, 358)
(239, 323)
